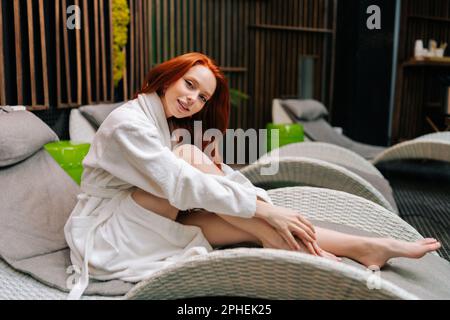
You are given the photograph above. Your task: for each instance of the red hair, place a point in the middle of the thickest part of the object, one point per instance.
(216, 111)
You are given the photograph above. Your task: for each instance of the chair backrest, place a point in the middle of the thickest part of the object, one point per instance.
(279, 115)
(37, 194)
(80, 129)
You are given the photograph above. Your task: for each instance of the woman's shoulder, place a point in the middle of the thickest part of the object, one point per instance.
(128, 115)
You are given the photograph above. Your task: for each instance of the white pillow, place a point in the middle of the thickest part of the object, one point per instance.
(80, 130)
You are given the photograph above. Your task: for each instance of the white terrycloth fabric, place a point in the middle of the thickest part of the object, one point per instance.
(110, 236)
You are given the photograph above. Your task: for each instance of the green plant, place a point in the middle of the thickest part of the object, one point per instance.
(236, 97)
(120, 21)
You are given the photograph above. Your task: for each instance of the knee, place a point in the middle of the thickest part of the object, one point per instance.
(191, 154)
(185, 150)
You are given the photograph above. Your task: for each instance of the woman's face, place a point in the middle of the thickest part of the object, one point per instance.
(188, 95)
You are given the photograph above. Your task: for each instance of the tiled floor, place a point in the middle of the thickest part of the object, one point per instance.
(422, 192)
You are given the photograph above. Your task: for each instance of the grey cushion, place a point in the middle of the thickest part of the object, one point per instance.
(320, 130)
(21, 135)
(36, 200)
(305, 109)
(96, 114)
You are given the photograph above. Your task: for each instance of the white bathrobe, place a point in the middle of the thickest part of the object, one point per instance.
(112, 237)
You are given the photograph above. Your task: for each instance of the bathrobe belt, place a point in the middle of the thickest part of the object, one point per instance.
(106, 211)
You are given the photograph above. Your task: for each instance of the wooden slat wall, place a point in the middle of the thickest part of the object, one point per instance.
(282, 34)
(417, 93)
(81, 72)
(89, 56)
(25, 80)
(257, 43)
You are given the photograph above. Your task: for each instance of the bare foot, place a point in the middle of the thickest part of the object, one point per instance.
(377, 251)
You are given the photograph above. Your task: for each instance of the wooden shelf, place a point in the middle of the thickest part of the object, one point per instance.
(413, 88)
(430, 18)
(425, 63)
(290, 28)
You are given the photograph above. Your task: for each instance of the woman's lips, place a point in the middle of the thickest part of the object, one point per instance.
(182, 107)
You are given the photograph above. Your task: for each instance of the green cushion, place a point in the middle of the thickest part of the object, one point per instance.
(69, 156)
(287, 133)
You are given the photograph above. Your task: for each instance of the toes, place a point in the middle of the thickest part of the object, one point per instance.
(436, 245)
(432, 246)
(428, 241)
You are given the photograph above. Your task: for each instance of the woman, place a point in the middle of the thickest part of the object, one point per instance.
(131, 219)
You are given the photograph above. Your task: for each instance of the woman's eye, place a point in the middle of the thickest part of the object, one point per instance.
(189, 84)
(203, 99)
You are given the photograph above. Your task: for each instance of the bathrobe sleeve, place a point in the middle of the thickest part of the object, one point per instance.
(135, 153)
(238, 177)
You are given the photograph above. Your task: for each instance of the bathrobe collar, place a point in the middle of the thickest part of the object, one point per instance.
(152, 106)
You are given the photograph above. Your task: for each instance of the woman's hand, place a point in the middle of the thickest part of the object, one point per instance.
(272, 240)
(289, 224)
(320, 251)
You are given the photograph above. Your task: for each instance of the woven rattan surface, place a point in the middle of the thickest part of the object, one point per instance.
(276, 274)
(434, 146)
(302, 171)
(326, 152)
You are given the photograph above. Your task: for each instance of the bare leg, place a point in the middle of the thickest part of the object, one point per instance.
(254, 226)
(372, 251)
(368, 251)
(217, 231)
(153, 203)
(222, 230)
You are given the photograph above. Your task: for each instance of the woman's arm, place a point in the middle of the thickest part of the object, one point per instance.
(135, 154)
(286, 222)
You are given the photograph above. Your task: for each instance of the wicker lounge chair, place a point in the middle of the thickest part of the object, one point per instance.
(264, 273)
(244, 272)
(341, 157)
(304, 171)
(316, 128)
(326, 152)
(433, 146)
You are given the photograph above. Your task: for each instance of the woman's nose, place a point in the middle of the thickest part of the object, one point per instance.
(192, 98)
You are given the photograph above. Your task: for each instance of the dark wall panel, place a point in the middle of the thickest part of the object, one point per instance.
(363, 72)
